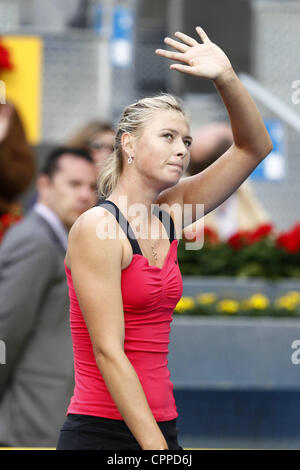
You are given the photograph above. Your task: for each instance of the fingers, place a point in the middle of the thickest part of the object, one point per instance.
(202, 34)
(171, 55)
(176, 44)
(182, 68)
(185, 38)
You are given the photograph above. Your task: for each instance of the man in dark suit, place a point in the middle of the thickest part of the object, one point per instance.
(36, 381)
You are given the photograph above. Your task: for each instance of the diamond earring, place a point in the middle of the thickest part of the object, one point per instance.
(130, 159)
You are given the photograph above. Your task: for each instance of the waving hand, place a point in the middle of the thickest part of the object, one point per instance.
(252, 142)
(205, 60)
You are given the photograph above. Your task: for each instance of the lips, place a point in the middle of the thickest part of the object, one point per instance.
(176, 165)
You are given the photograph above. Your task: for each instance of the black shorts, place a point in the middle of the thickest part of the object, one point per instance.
(82, 432)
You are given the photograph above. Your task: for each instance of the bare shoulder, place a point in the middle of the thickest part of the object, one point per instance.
(93, 236)
(89, 219)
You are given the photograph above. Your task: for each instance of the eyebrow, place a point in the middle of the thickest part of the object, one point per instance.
(176, 132)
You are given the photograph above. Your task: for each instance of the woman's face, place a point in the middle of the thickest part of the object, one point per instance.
(161, 152)
(101, 146)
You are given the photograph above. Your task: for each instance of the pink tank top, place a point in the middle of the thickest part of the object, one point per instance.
(150, 295)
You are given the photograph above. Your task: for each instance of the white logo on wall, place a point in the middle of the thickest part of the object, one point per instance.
(295, 358)
(296, 93)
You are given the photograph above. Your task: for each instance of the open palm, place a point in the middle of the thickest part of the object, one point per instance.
(205, 60)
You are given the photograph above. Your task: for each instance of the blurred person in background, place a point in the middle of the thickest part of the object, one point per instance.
(242, 210)
(17, 166)
(97, 137)
(37, 380)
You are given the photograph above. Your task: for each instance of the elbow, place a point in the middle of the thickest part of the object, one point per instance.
(257, 150)
(267, 147)
(264, 150)
(105, 355)
(110, 348)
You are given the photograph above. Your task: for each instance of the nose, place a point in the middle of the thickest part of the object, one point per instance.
(182, 150)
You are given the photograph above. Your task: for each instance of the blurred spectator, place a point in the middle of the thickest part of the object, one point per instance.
(241, 211)
(37, 382)
(17, 166)
(97, 137)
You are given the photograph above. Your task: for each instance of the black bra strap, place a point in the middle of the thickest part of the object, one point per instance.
(167, 221)
(163, 216)
(111, 207)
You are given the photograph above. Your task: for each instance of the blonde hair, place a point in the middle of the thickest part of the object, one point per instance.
(133, 119)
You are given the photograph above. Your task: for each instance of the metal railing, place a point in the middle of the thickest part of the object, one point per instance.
(270, 101)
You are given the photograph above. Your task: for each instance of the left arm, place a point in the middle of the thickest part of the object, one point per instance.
(251, 143)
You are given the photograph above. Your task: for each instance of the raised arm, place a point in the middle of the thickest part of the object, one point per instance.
(251, 144)
(96, 273)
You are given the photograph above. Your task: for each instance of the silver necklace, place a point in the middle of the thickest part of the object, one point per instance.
(154, 253)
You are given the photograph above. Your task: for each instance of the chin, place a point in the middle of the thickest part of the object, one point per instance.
(175, 177)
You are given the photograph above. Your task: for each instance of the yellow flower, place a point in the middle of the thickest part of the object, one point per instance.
(294, 296)
(185, 303)
(284, 302)
(228, 306)
(207, 298)
(258, 301)
(289, 301)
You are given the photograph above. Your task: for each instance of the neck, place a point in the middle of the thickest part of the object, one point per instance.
(133, 199)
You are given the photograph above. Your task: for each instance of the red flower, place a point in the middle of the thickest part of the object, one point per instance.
(210, 236)
(10, 218)
(260, 232)
(290, 240)
(5, 60)
(239, 239)
(244, 238)
(6, 219)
